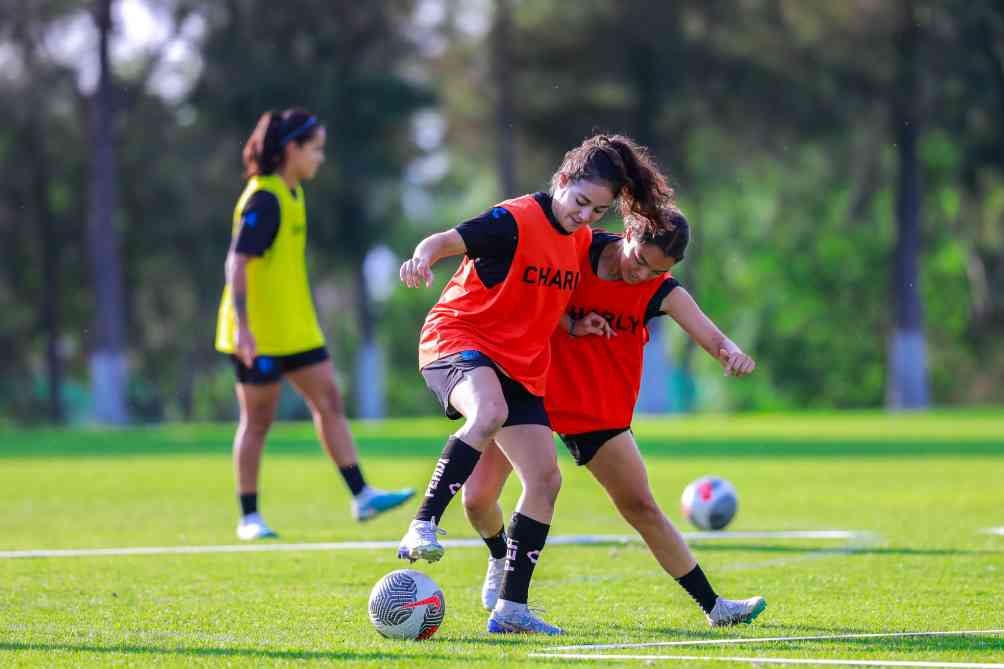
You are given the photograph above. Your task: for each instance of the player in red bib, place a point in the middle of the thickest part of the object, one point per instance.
(625, 279)
(485, 346)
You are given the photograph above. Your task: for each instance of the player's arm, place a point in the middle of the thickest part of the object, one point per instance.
(259, 227)
(417, 270)
(237, 278)
(682, 308)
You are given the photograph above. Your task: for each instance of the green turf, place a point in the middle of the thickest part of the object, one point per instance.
(924, 485)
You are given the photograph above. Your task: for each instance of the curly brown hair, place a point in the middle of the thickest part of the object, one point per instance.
(670, 230)
(625, 166)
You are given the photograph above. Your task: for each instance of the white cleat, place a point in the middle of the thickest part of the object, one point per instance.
(734, 611)
(252, 526)
(493, 583)
(420, 542)
(513, 618)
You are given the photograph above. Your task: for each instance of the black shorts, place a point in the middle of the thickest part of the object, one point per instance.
(270, 368)
(443, 375)
(585, 445)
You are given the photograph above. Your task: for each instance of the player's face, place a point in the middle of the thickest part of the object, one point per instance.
(642, 262)
(582, 202)
(304, 160)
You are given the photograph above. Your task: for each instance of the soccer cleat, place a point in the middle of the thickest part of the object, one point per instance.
(372, 502)
(252, 526)
(513, 618)
(420, 542)
(493, 583)
(734, 611)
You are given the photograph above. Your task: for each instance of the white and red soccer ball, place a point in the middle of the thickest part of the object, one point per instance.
(406, 604)
(709, 503)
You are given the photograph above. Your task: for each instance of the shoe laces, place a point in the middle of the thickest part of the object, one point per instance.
(428, 530)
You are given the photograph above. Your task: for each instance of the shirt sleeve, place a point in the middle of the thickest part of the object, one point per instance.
(654, 308)
(493, 234)
(259, 224)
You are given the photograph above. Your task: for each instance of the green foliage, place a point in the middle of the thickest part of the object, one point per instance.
(773, 120)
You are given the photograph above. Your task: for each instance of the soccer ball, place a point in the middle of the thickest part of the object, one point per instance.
(709, 502)
(406, 604)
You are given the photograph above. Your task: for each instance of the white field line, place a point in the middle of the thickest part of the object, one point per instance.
(774, 639)
(995, 530)
(265, 547)
(772, 660)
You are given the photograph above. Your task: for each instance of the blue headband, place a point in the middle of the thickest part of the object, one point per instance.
(307, 125)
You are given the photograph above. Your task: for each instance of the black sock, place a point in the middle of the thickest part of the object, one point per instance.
(497, 544)
(697, 586)
(453, 469)
(249, 503)
(526, 540)
(353, 478)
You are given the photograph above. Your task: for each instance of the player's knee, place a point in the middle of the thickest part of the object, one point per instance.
(477, 499)
(640, 509)
(256, 426)
(545, 483)
(489, 417)
(329, 403)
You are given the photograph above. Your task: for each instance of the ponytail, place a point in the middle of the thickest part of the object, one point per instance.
(264, 150)
(625, 167)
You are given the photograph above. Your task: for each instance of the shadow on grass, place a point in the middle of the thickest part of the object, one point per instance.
(856, 550)
(129, 649)
(951, 643)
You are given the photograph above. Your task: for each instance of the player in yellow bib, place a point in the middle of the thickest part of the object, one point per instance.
(267, 323)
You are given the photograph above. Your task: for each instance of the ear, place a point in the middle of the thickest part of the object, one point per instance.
(562, 180)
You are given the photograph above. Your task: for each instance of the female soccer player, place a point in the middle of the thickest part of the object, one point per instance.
(625, 278)
(484, 349)
(266, 319)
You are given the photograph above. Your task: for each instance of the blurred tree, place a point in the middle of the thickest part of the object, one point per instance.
(355, 65)
(109, 374)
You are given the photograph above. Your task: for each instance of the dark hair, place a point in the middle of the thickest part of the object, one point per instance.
(624, 166)
(670, 231)
(265, 149)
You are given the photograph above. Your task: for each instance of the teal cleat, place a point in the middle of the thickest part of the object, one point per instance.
(253, 527)
(372, 502)
(729, 612)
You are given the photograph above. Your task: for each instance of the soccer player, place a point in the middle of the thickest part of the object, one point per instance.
(484, 349)
(267, 322)
(626, 279)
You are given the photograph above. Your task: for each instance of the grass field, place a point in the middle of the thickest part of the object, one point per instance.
(921, 489)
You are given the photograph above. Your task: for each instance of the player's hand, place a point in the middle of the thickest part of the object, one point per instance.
(245, 347)
(415, 272)
(593, 324)
(735, 362)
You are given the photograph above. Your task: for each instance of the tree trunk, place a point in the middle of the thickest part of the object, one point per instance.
(907, 376)
(504, 114)
(370, 371)
(51, 245)
(108, 358)
(654, 394)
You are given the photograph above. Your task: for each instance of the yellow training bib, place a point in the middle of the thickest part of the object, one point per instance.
(281, 311)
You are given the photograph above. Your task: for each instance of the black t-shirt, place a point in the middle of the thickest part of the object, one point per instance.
(654, 308)
(491, 240)
(259, 224)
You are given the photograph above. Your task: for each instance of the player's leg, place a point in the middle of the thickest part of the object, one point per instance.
(257, 397)
(315, 382)
(530, 449)
(481, 493)
(620, 469)
(468, 386)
